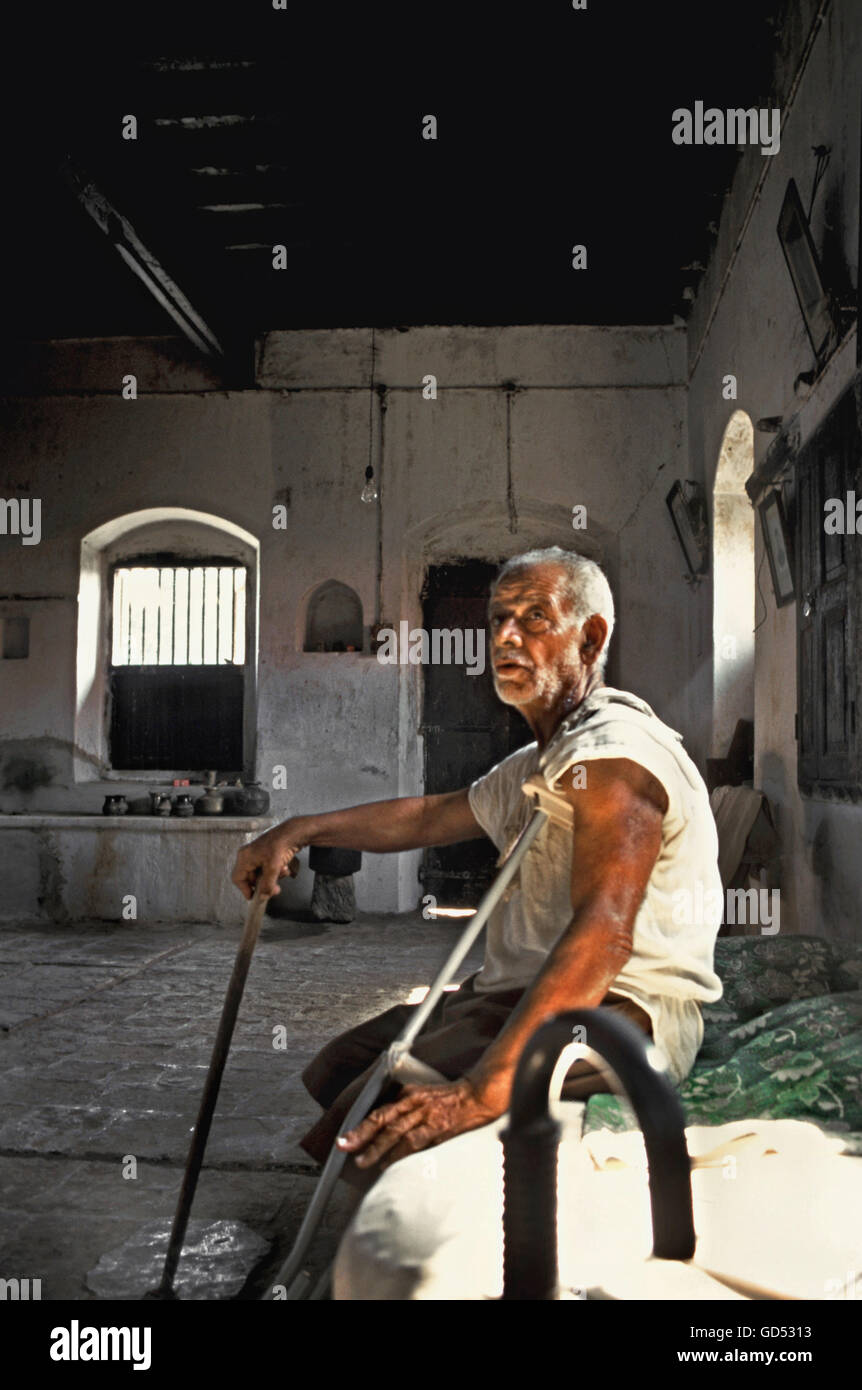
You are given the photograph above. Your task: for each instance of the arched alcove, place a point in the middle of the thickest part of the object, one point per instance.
(155, 535)
(333, 619)
(733, 583)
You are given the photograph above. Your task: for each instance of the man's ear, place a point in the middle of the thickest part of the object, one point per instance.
(595, 631)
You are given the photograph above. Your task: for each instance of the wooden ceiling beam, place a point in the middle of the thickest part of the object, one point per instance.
(141, 261)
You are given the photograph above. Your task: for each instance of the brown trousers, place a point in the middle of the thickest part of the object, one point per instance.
(461, 1027)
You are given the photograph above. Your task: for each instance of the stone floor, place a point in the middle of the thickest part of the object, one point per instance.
(105, 1037)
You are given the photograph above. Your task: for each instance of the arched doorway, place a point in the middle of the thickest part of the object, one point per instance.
(733, 584)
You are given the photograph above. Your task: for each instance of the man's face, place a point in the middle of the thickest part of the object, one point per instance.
(535, 644)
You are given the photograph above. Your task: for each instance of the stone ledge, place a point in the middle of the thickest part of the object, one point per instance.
(11, 821)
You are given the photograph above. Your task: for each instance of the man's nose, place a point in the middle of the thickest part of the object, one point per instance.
(508, 632)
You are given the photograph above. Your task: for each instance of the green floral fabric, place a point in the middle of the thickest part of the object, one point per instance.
(784, 1041)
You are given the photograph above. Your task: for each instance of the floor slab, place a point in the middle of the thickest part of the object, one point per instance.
(105, 1037)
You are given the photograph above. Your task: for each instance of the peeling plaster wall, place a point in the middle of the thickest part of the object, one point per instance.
(747, 322)
(528, 422)
(66, 868)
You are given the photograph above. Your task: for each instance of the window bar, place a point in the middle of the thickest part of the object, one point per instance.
(234, 615)
(203, 616)
(118, 610)
(121, 635)
(117, 645)
(188, 615)
(164, 581)
(120, 601)
(218, 613)
(149, 610)
(197, 576)
(228, 584)
(168, 587)
(180, 603)
(225, 614)
(174, 573)
(195, 626)
(242, 626)
(230, 623)
(222, 615)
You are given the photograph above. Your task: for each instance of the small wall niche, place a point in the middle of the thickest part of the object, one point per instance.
(14, 639)
(333, 620)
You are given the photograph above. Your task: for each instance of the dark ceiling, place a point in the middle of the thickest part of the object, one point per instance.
(303, 128)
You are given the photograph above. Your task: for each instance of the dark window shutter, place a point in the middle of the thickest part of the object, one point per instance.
(806, 599)
(177, 717)
(829, 577)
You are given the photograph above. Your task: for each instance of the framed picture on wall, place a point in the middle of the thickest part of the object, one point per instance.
(777, 542)
(686, 503)
(803, 263)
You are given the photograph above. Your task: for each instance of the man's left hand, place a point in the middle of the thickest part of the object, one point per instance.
(422, 1117)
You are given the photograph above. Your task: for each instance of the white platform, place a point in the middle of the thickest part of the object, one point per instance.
(82, 867)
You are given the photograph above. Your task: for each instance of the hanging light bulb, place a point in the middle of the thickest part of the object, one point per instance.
(369, 493)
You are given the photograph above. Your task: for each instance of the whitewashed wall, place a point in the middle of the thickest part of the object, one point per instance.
(572, 416)
(747, 322)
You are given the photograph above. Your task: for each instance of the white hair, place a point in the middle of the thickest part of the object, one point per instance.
(586, 586)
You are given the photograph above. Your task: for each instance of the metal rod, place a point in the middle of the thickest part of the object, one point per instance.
(530, 1144)
(158, 616)
(384, 1069)
(174, 573)
(331, 1171)
(322, 1287)
(204, 617)
(469, 935)
(188, 617)
(220, 1051)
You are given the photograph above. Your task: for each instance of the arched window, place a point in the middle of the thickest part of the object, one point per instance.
(167, 646)
(733, 591)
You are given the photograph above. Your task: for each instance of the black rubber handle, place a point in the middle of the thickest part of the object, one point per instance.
(531, 1141)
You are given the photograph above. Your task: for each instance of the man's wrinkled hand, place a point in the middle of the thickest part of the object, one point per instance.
(422, 1117)
(267, 859)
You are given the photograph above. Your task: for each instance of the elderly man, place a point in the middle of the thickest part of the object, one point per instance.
(599, 915)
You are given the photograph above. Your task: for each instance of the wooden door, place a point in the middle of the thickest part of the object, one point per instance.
(828, 575)
(466, 729)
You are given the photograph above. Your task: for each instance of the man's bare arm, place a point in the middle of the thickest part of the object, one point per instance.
(379, 827)
(615, 842)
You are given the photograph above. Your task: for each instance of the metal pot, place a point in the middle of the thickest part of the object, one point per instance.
(250, 800)
(211, 803)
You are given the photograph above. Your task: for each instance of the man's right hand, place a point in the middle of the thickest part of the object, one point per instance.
(268, 858)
